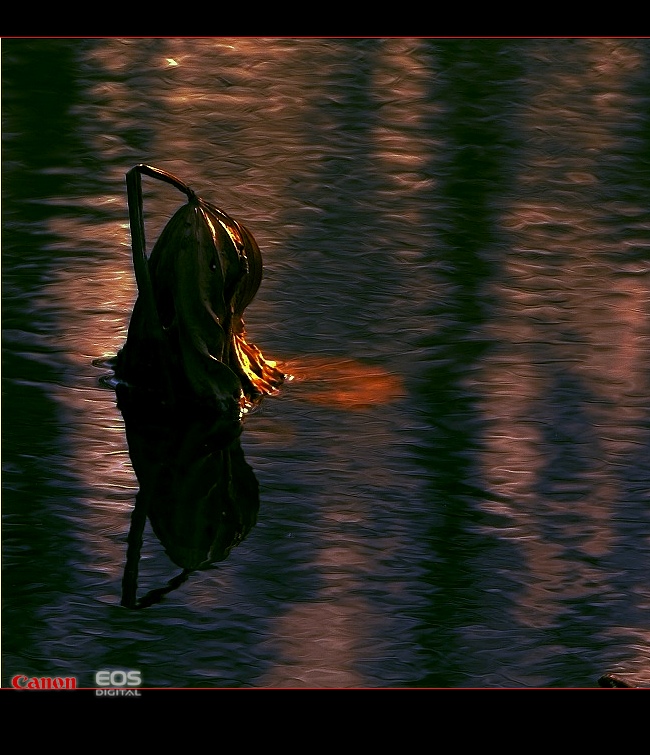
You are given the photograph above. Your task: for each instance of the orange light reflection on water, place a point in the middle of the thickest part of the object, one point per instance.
(343, 383)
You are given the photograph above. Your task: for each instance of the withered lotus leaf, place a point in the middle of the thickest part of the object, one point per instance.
(187, 341)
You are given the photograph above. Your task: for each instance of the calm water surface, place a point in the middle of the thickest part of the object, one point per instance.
(454, 488)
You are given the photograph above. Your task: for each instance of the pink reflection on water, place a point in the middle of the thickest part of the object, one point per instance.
(565, 307)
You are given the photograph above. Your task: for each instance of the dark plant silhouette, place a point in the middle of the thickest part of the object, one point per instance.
(184, 379)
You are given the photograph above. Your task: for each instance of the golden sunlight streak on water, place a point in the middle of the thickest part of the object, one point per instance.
(343, 383)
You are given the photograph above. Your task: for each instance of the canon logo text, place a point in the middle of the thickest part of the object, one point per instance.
(44, 682)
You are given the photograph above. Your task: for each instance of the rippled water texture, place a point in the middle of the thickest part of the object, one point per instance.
(454, 489)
